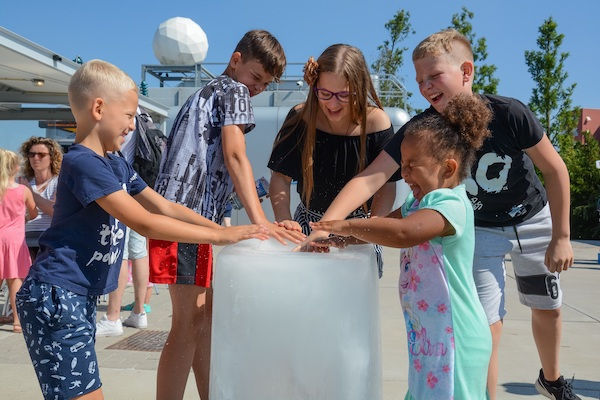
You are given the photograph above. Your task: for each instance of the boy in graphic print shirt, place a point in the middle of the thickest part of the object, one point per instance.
(204, 161)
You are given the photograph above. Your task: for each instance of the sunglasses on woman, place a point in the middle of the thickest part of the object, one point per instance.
(33, 154)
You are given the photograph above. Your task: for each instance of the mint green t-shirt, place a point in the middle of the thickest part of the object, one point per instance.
(449, 340)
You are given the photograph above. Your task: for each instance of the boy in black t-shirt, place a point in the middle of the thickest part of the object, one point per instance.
(511, 210)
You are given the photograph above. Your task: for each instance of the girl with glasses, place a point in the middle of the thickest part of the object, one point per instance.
(43, 157)
(325, 141)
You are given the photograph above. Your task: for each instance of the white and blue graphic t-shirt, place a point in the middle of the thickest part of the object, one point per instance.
(83, 248)
(193, 170)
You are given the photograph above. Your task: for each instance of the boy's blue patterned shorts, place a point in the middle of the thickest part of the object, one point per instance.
(59, 330)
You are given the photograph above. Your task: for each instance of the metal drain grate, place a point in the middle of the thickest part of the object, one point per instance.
(142, 341)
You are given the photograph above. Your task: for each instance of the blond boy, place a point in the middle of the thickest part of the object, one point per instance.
(81, 252)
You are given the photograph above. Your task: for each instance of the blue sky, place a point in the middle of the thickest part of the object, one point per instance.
(121, 32)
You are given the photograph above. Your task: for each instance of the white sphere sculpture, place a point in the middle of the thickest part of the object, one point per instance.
(180, 41)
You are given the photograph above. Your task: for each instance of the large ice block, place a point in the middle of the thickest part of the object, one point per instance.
(290, 326)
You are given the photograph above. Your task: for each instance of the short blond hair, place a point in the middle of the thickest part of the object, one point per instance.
(448, 41)
(9, 162)
(97, 78)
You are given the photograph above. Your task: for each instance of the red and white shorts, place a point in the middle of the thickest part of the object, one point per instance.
(181, 263)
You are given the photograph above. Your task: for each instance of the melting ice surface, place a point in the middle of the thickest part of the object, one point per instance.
(290, 326)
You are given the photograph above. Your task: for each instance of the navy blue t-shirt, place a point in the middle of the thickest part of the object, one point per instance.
(83, 248)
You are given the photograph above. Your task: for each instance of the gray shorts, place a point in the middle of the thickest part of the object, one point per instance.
(135, 246)
(526, 243)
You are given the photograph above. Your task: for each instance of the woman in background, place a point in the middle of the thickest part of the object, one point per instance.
(43, 159)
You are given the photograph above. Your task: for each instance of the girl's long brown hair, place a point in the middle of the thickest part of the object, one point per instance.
(346, 61)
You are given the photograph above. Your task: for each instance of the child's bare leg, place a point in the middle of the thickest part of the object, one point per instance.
(140, 273)
(201, 364)
(95, 395)
(113, 309)
(547, 327)
(177, 356)
(492, 379)
(14, 284)
(148, 294)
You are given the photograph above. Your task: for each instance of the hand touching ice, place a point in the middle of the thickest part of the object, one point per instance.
(306, 244)
(281, 234)
(290, 225)
(319, 239)
(234, 234)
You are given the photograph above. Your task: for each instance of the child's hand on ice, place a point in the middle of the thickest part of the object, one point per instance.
(290, 225)
(320, 231)
(282, 234)
(234, 234)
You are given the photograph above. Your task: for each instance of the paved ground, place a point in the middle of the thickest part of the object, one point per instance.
(131, 374)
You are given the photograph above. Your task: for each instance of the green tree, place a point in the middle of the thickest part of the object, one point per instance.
(551, 101)
(484, 80)
(580, 158)
(389, 61)
(551, 97)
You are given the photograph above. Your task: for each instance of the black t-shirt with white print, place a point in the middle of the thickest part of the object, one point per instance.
(503, 188)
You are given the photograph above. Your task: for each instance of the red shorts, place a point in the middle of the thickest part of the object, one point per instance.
(183, 263)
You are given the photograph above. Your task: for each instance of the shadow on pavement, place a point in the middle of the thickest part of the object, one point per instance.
(582, 386)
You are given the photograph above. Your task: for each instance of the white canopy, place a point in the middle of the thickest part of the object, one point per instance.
(38, 78)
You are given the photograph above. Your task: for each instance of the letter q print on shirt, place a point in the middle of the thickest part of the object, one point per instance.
(491, 174)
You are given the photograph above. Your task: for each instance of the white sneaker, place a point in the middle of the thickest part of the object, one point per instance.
(134, 320)
(106, 327)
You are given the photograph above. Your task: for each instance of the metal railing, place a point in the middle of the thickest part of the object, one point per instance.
(386, 85)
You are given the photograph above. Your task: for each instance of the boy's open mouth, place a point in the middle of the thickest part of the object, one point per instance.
(435, 98)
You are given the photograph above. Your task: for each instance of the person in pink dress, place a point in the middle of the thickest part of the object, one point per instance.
(16, 205)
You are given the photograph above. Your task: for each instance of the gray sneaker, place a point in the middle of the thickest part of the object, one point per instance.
(139, 321)
(106, 327)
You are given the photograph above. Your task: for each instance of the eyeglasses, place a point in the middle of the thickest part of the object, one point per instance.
(33, 154)
(324, 94)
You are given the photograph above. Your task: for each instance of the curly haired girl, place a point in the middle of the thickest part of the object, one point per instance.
(449, 341)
